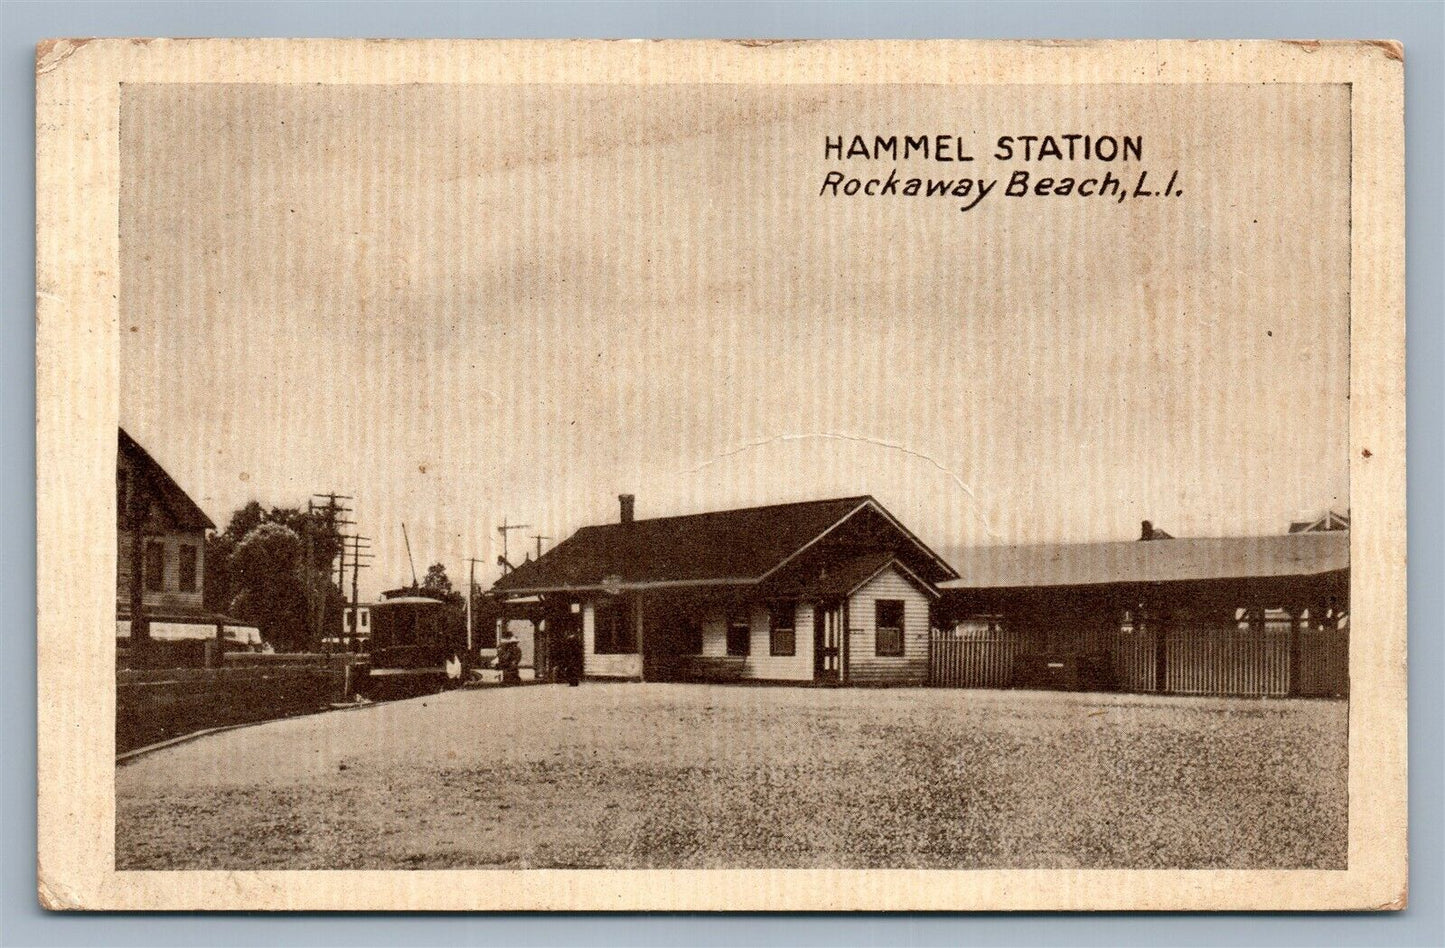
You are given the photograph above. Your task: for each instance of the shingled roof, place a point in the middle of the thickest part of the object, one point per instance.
(1173, 560)
(721, 547)
(845, 578)
(183, 511)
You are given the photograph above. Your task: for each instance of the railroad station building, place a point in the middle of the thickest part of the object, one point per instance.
(821, 591)
(840, 592)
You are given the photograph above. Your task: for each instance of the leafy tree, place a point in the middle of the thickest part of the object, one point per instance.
(439, 584)
(216, 591)
(312, 529)
(315, 530)
(437, 580)
(266, 574)
(220, 547)
(328, 600)
(486, 611)
(244, 520)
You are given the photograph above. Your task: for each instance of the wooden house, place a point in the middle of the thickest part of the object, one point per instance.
(831, 591)
(172, 528)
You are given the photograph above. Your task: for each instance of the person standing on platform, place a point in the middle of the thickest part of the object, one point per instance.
(509, 658)
(571, 657)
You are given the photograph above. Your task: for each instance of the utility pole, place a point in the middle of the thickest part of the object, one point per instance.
(312, 622)
(472, 562)
(504, 529)
(358, 550)
(334, 513)
(539, 540)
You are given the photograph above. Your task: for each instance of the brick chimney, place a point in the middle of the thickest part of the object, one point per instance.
(626, 502)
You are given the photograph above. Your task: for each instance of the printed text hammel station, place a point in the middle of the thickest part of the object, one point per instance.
(1074, 148)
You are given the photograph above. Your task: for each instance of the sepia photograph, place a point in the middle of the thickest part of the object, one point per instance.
(746, 473)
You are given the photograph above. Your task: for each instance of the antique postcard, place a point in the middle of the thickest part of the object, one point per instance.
(721, 475)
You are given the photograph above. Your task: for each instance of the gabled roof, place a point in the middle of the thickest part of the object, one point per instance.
(1190, 559)
(848, 577)
(183, 511)
(719, 548)
(1332, 520)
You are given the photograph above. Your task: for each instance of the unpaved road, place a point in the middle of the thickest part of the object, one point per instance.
(659, 775)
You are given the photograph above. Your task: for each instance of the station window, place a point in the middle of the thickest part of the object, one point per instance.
(616, 634)
(888, 627)
(784, 636)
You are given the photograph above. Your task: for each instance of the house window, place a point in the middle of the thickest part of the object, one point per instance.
(888, 627)
(784, 637)
(740, 634)
(616, 633)
(155, 566)
(690, 636)
(364, 617)
(189, 560)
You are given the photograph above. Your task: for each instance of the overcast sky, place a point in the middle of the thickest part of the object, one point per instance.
(463, 303)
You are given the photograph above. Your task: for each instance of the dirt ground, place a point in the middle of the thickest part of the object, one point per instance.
(658, 775)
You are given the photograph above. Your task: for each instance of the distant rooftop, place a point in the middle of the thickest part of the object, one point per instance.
(1332, 520)
(1170, 560)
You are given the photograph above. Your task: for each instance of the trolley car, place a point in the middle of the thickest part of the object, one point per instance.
(415, 649)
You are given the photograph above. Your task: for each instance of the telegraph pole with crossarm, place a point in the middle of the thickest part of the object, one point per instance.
(505, 529)
(359, 547)
(472, 562)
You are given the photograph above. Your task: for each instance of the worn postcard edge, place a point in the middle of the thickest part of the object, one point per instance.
(77, 170)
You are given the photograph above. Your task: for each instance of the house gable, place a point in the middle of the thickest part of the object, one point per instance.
(871, 528)
(173, 505)
(174, 538)
(835, 578)
(867, 662)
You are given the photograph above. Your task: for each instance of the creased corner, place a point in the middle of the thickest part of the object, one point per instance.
(49, 54)
(1399, 903)
(1393, 49)
(56, 896)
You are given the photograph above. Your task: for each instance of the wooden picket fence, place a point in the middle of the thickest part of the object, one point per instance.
(1226, 661)
(1197, 661)
(972, 662)
(1324, 664)
(1135, 662)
